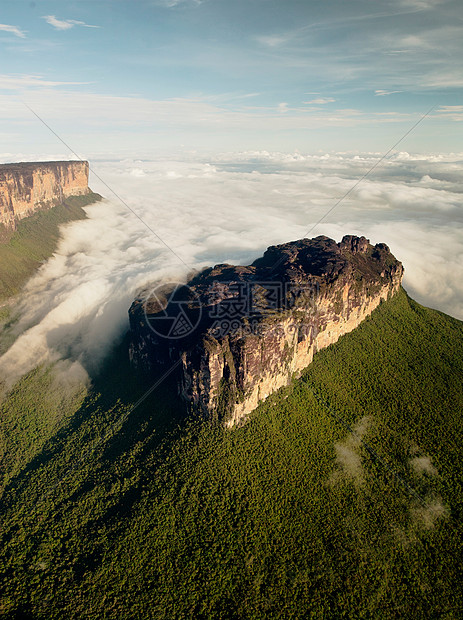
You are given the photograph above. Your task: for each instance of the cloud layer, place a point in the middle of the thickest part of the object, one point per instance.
(230, 210)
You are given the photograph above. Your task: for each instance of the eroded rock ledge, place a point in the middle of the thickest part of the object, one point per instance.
(242, 332)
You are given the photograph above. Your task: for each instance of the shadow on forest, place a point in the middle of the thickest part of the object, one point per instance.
(110, 406)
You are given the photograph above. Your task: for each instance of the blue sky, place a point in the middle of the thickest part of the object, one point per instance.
(139, 77)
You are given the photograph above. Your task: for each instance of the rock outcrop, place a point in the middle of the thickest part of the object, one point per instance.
(237, 334)
(28, 187)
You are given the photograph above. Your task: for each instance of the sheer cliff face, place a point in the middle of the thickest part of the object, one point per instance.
(243, 332)
(28, 187)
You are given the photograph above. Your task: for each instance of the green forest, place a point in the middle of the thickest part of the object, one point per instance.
(340, 497)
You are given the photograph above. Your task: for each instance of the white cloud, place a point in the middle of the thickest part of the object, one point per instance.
(14, 30)
(414, 41)
(13, 82)
(451, 108)
(420, 5)
(450, 113)
(271, 40)
(77, 304)
(179, 115)
(65, 24)
(383, 93)
(170, 4)
(348, 455)
(320, 101)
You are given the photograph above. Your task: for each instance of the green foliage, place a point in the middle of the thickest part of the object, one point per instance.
(140, 513)
(28, 421)
(35, 240)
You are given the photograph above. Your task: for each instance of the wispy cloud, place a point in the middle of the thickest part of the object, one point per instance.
(246, 96)
(451, 108)
(65, 24)
(382, 93)
(170, 4)
(420, 5)
(450, 112)
(13, 30)
(183, 114)
(13, 82)
(320, 101)
(348, 455)
(272, 40)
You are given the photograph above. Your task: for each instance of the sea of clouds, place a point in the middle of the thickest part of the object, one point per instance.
(229, 208)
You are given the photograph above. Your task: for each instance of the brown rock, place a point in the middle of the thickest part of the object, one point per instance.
(243, 332)
(28, 187)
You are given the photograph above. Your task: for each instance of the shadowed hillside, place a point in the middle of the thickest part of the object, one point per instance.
(341, 496)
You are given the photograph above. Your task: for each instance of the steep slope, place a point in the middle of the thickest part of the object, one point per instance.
(341, 496)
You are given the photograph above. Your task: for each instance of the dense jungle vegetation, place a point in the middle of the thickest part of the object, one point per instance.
(341, 497)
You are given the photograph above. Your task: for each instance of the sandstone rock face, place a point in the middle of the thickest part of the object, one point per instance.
(243, 332)
(28, 187)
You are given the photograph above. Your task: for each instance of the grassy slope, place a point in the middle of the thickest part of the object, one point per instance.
(288, 516)
(34, 241)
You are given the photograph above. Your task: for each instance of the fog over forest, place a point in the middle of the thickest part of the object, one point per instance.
(230, 209)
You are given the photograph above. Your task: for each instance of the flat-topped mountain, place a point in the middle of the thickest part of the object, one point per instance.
(36, 198)
(27, 187)
(341, 498)
(242, 332)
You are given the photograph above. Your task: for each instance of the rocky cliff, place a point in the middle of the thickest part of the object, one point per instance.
(28, 187)
(237, 334)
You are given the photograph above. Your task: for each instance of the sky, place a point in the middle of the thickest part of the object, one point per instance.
(149, 77)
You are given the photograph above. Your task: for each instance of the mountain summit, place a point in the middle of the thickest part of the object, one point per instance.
(242, 332)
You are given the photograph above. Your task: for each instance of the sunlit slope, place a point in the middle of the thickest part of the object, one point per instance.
(341, 497)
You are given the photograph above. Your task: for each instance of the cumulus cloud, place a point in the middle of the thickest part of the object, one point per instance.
(65, 24)
(13, 30)
(230, 209)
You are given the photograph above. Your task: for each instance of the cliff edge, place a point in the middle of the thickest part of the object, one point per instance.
(238, 333)
(29, 187)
